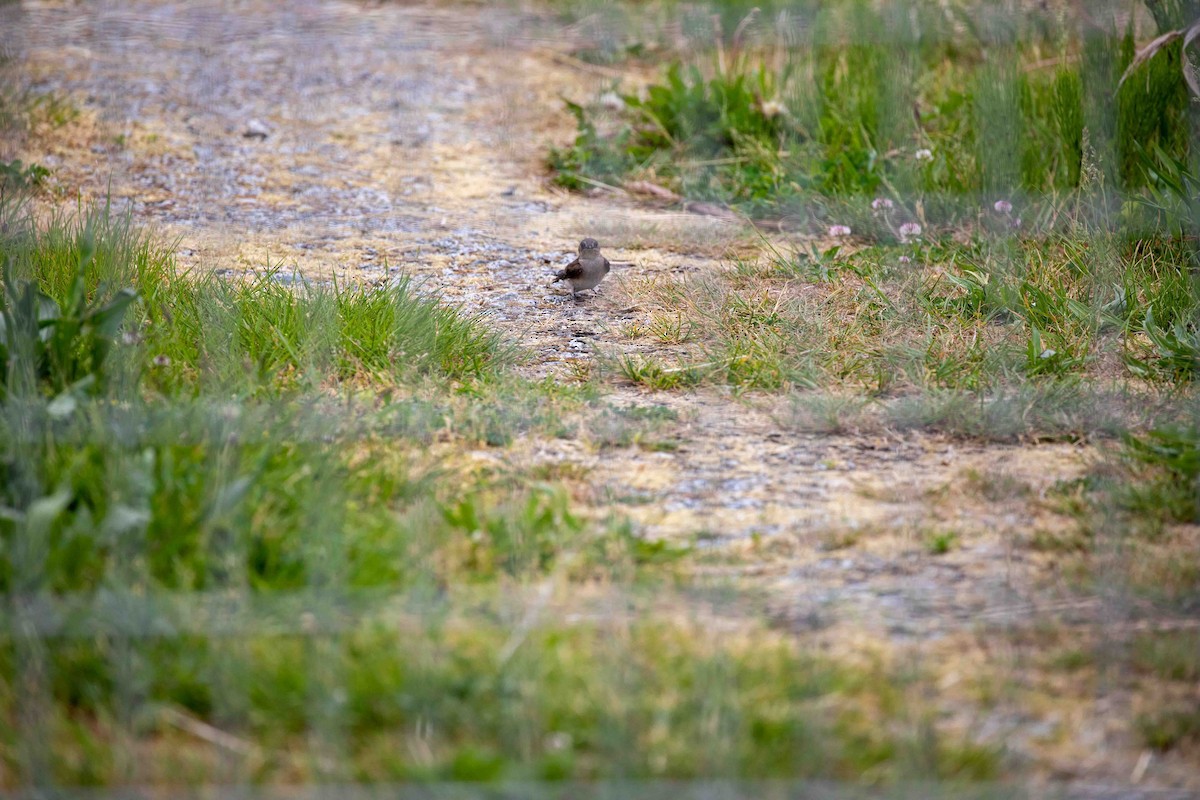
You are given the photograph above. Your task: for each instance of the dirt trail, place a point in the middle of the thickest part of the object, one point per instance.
(410, 139)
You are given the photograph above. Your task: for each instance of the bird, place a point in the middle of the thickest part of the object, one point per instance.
(587, 270)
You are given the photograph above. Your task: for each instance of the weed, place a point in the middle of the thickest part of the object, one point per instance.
(51, 108)
(632, 330)
(1152, 111)
(114, 255)
(61, 347)
(939, 542)
(1073, 660)
(525, 540)
(1174, 455)
(316, 332)
(826, 413)
(1075, 539)
(671, 329)
(1053, 411)
(16, 176)
(997, 485)
(649, 372)
(634, 425)
(1166, 730)
(546, 698)
(840, 538)
(1172, 656)
(1176, 354)
(590, 158)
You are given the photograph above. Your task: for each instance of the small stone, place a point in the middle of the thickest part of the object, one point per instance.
(256, 129)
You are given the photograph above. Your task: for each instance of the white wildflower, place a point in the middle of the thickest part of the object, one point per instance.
(612, 101)
(881, 203)
(839, 230)
(559, 741)
(1002, 207)
(924, 154)
(908, 230)
(773, 108)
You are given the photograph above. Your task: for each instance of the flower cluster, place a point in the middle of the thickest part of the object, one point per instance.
(1004, 208)
(837, 231)
(909, 230)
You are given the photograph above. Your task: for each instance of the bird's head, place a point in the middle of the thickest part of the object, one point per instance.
(589, 246)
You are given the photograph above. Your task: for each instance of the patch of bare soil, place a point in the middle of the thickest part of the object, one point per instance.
(360, 141)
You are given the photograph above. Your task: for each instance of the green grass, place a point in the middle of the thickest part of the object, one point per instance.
(926, 109)
(1173, 656)
(460, 701)
(1032, 336)
(1169, 729)
(202, 333)
(939, 542)
(258, 334)
(201, 495)
(1166, 461)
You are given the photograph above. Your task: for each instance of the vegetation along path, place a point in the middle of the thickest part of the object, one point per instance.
(354, 143)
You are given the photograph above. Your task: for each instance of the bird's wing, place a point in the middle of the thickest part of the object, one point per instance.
(570, 272)
(607, 266)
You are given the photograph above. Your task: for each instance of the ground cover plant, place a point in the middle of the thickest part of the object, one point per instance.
(789, 109)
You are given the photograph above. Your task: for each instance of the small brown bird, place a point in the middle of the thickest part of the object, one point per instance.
(587, 270)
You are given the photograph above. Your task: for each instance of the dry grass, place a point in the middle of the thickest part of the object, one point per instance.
(671, 236)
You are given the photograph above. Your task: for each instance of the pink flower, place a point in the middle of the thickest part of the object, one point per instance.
(909, 230)
(881, 202)
(1002, 207)
(839, 230)
(905, 259)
